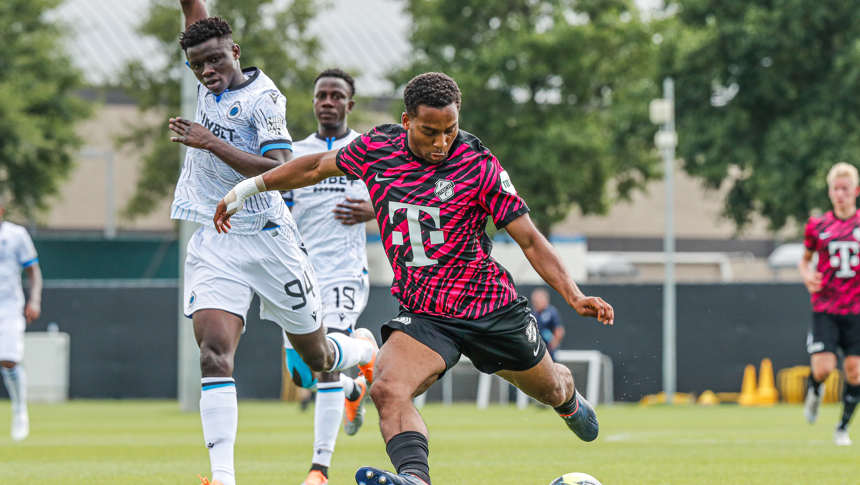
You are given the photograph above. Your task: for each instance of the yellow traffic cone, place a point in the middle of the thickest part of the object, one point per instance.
(767, 394)
(708, 398)
(748, 388)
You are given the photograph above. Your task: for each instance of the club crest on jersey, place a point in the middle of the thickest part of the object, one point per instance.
(444, 189)
(276, 125)
(235, 111)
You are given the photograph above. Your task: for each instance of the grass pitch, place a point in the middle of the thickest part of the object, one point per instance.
(134, 442)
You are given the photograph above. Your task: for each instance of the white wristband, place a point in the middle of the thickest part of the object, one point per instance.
(242, 191)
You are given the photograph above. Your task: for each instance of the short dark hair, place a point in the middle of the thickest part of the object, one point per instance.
(203, 30)
(433, 89)
(340, 75)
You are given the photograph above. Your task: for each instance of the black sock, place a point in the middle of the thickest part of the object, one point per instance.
(813, 384)
(568, 408)
(323, 469)
(408, 452)
(849, 403)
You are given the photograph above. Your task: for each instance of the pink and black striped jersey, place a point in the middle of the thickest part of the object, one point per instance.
(432, 219)
(837, 243)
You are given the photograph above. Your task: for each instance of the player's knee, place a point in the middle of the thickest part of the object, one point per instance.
(300, 372)
(383, 392)
(318, 363)
(215, 364)
(821, 372)
(852, 373)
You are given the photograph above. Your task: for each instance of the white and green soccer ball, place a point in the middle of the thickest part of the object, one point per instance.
(575, 478)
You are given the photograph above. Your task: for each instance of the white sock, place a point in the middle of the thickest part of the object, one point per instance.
(349, 351)
(328, 415)
(348, 384)
(16, 384)
(219, 412)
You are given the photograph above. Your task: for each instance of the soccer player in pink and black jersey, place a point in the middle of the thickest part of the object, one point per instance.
(835, 288)
(433, 187)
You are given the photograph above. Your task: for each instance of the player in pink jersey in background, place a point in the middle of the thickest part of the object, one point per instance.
(433, 187)
(835, 288)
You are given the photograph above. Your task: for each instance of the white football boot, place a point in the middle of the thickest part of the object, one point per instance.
(20, 426)
(812, 404)
(841, 438)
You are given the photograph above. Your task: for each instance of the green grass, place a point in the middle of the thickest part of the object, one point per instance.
(134, 442)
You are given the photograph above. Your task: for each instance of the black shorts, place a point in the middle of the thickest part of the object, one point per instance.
(506, 339)
(830, 332)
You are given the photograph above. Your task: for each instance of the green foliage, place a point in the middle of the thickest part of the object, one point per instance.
(37, 108)
(272, 37)
(557, 89)
(793, 68)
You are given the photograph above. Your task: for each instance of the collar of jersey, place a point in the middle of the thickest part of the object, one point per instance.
(253, 74)
(323, 138)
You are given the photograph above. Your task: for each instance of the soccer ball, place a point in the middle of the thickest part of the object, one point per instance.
(575, 478)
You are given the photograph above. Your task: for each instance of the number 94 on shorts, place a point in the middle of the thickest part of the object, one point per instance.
(223, 271)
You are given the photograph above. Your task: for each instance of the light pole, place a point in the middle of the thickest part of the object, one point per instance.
(188, 380)
(662, 113)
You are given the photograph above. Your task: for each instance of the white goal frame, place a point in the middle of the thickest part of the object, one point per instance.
(600, 374)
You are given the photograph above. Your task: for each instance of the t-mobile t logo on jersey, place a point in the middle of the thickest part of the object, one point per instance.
(844, 255)
(413, 214)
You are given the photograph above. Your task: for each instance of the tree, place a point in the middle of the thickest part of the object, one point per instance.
(766, 100)
(272, 37)
(38, 109)
(557, 89)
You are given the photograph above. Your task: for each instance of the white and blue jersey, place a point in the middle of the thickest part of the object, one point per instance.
(252, 118)
(336, 250)
(16, 253)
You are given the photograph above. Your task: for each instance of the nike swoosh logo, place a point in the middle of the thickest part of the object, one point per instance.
(536, 350)
(824, 235)
(380, 179)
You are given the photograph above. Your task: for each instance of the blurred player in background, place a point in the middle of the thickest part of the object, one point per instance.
(331, 216)
(433, 188)
(240, 131)
(16, 253)
(835, 289)
(549, 323)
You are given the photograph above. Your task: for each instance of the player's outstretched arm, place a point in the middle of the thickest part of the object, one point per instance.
(193, 10)
(549, 265)
(301, 172)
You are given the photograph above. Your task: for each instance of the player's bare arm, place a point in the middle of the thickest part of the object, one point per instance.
(301, 172)
(354, 211)
(811, 277)
(248, 164)
(193, 10)
(549, 265)
(34, 304)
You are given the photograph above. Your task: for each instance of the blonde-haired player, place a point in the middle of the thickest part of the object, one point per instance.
(835, 288)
